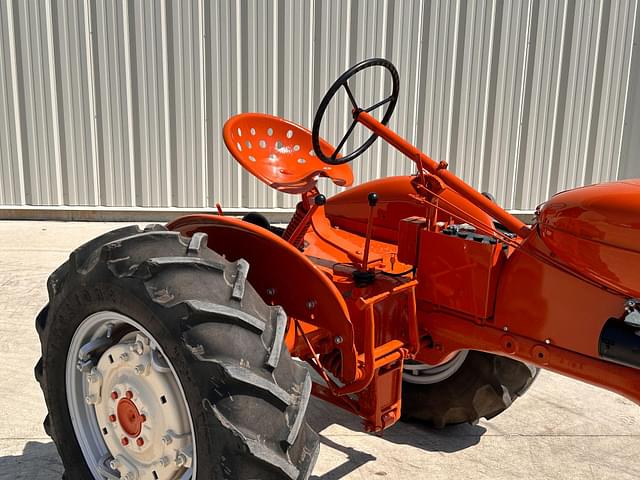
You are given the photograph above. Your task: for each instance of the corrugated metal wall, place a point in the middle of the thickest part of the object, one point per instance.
(121, 103)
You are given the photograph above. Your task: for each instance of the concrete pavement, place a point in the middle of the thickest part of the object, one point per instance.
(561, 429)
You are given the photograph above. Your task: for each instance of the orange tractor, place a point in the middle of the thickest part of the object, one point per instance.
(168, 352)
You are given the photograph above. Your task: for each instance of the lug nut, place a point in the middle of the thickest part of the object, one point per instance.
(140, 441)
(114, 464)
(137, 348)
(124, 441)
(129, 394)
(112, 418)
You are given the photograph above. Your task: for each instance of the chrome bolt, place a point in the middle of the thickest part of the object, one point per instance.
(124, 357)
(181, 460)
(548, 341)
(271, 292)
(93, 376)
(338, 340)
(311, 304)
(137, 348)
(166, 439)
(114, 464)
(164, 461)
(129, 476)
(140, 369)
(84, 365)
(90, 399)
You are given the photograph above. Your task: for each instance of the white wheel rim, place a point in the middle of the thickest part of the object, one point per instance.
(127, 406)
(425, 374)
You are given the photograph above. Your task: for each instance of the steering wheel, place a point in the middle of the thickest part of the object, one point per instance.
(343, 82)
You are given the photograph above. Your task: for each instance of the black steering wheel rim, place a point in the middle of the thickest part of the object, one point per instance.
(342, 82)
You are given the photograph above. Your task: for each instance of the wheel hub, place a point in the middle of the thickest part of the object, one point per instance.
(129, 417)
(135, 421)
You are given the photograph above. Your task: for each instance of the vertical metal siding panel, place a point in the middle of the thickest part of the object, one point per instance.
(75, 116)
(11, 174)
(111, 93)
(503, 157)
(42, 155)
(123, 103)
(616, 72)
(630, 154)
(403, 46)
(544, 97)
(186, 94)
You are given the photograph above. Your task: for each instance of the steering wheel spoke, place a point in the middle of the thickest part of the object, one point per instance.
(350, 94)
(335, 153)
(379, 104)
(343, 82)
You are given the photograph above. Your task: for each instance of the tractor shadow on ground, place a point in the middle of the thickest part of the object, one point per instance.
(38, 461)
(322, 416)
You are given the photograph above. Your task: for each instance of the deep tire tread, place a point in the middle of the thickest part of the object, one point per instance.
(484, 386)
(146, 261)
(277, 343)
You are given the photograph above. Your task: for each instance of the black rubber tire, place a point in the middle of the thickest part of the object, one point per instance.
(246, 395)
(484, 386)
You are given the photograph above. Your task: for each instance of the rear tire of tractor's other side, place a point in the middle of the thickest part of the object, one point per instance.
(246, 396)
(483, 387)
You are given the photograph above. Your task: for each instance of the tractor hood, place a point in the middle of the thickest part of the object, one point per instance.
(349, 210)
(595, 231)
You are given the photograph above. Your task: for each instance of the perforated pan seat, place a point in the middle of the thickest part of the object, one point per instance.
(280, 153)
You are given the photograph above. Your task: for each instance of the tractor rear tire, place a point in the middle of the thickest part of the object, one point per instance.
(485, 385)
(245, 396)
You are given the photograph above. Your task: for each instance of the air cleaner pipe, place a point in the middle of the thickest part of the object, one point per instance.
(440, 170)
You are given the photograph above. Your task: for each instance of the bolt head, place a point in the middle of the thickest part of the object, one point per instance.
(114, 464)
(124, 441)
(129, 476)
(140, 369)
(112, 418)
(181, 460)
(137, 348)
(271, 292)
(124, 357)
(129, 394)
(338, 340)
(140, 441)
(90, 399)
(166, 439)
(164, 461)
(114, 395)
(143, 418)
(311, 304)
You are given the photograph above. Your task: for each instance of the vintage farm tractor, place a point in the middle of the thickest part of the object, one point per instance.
(168, 352)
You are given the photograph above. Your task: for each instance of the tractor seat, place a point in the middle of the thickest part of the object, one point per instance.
(280, 153)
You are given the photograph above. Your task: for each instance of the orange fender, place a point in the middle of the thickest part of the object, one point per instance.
(282, 275)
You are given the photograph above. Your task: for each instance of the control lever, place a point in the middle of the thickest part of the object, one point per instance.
(373, 201)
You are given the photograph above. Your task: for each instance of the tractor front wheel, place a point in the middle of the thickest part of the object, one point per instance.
(472, 385)
(160, 361)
